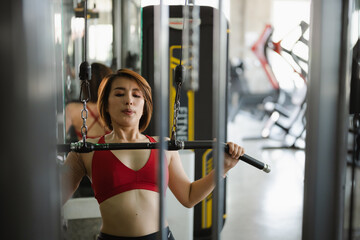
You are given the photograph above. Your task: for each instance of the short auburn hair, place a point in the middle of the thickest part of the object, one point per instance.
(104, 92)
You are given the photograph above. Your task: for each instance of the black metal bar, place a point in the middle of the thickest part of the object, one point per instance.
(171, 146)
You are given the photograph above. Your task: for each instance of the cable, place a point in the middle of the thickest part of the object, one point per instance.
(84, 76)
(179, 73)
(183, 28)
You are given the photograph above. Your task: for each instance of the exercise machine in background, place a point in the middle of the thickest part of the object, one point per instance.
(284, 115)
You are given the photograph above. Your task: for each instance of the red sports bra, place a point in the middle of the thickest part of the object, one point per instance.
(111, 177)
(96, 120)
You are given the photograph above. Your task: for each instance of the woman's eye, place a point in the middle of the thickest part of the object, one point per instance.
(137, 96)
(119, 94)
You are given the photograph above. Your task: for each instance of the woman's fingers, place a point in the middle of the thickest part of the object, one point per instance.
(235, 151)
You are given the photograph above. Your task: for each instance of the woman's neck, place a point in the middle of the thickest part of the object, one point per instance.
(126, 135)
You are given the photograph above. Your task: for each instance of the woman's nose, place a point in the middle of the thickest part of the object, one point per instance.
(129, 100)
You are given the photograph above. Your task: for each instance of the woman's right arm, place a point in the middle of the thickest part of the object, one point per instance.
(72, 172)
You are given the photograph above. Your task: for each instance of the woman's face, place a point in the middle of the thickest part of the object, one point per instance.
(125, 103)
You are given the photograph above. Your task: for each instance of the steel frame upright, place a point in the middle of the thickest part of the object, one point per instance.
(161, 74)
(219, 105)
(327, 114)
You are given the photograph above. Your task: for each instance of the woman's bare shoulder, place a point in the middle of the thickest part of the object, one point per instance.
(74, 105)
(157, 138)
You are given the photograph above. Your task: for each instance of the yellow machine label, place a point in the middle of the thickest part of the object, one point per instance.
(207, 166)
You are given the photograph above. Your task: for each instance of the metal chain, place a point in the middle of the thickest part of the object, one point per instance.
(84, 112)
(84, 115)
(176, 112)
(85, 76)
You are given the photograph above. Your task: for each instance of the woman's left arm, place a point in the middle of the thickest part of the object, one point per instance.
(190, 193)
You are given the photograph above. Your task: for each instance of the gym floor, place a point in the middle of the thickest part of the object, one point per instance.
(263, 205)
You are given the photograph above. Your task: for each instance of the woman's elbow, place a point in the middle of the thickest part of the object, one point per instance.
(188, 204)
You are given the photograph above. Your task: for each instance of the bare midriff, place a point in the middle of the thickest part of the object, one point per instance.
(131, 214)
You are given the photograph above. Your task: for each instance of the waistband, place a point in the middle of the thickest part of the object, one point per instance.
(152, 236)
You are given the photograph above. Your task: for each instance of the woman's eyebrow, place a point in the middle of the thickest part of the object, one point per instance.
(119, 88)
(122, 88)
(136, 90)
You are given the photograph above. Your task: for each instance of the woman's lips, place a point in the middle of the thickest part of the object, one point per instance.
(128, 112)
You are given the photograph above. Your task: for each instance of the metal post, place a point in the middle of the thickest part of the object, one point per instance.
(219, 88)
(161, 73)
(29, 174)
(117, 28)
(327, 116)
(125, 33)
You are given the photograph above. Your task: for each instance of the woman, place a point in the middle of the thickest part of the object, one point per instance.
(124, 181)
(74, 121)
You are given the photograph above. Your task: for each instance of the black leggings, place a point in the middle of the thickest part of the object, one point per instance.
(153, 236)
